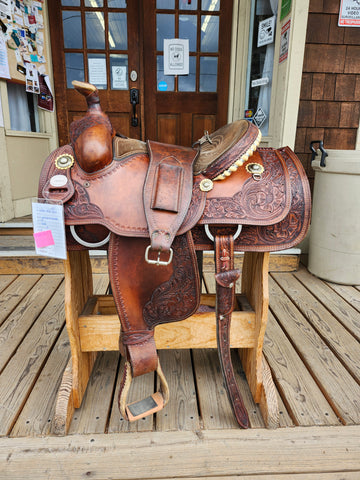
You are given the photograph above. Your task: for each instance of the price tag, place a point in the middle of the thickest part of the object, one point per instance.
(49, 228)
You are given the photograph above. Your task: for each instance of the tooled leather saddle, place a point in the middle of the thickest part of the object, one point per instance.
(153, 206)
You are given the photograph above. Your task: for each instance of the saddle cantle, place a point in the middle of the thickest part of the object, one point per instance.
(157, 205)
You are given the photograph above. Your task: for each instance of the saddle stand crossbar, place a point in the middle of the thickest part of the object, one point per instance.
(156, 208)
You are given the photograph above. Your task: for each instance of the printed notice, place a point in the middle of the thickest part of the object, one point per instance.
(284, 42)
(97, 71)
(266, 31)
(349, 13)
(176, 56)
(49, 228)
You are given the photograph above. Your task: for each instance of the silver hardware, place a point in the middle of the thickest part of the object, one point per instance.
(58, 181)
(205, 138)
(64, 162)
(86, 184)
(211, 236)
(88, 244)
(255, 168)
(158, 261)
(206, 185)
(133, 75)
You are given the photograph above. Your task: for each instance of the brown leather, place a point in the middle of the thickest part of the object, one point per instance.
(226, 277)
(146, 295)
(91, 136)
(224, 147)
(114, 186)
(167, 192)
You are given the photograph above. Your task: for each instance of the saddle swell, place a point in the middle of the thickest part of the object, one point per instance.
(154, 202)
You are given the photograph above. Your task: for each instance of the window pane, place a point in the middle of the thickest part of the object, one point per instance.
(210, 5)
(22, 108)
(94, 3)
(188, 4)
(97, 70)
(74, 68)
(95, 30)
(119, 72)
(208, 74)
(118, 30)
(209, 33)
(72, 29)
(117, 3)
(165, 83)
(261, 63)
(187, 29)
(70, 3)
(169, 4)
(187, 83)
(165, 28)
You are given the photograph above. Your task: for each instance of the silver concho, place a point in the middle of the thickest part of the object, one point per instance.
(63, 162)
(206, 185)
(58, 181)
(255, 169)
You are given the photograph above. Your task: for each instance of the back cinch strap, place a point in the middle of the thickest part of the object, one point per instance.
(149, 405)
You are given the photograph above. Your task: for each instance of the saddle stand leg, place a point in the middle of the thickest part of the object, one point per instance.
(78, 288)
(254, 284)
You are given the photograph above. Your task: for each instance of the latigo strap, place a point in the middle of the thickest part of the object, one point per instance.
(226, 277)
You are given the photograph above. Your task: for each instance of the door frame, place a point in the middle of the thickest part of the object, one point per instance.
(287, 76)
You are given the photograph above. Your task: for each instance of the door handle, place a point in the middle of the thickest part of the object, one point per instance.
(134, 100)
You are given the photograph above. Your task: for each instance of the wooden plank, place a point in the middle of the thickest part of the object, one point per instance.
(184, 454)
(140, 388)
(14, 293)
(348, 293)
(15, 327)
(336, 383)
(338, 339)
(302, 397)
(101, 332)
(181, 412)
(344, 313)
(21, 372)
(92, 416)
(215, 409)
(37, 415)
(5, 281)
(25, 265)
(294, 476)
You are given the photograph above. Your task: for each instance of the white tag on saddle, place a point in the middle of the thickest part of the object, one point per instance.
(49, 228)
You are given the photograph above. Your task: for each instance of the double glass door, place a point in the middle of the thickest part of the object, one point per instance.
(118, 45)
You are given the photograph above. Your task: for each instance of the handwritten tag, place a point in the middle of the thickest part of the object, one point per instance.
(49, 229)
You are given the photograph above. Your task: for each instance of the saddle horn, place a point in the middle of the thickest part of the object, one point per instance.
(91, 136)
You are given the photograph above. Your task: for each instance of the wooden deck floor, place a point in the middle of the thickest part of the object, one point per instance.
(311, 345)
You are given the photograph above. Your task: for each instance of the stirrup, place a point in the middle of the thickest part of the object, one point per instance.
(143, 408)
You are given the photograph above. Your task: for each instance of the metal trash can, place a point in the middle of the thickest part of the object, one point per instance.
(334, 244)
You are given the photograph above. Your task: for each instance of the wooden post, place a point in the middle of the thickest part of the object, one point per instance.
(254, 284)
(78, 288)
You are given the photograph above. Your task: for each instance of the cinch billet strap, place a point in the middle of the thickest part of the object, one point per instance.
(226, 277)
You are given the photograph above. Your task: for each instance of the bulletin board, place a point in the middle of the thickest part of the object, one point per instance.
(22, 42)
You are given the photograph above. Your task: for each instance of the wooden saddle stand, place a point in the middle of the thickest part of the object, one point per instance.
(156, 208)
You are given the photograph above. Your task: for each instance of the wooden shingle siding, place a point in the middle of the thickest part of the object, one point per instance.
(329, 108)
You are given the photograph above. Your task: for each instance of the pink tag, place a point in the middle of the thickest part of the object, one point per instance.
(43, 239)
